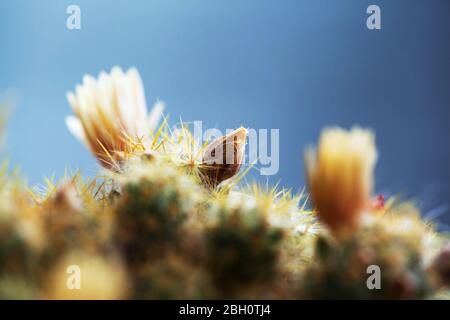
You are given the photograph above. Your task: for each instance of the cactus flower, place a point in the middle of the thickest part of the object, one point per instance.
(109, 112)
(340, 175)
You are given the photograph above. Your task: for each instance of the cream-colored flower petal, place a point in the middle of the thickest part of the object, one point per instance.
(155, 115)
(123, 106)
(72, 101)
(138, 93)
(112, 114)
(76, 128)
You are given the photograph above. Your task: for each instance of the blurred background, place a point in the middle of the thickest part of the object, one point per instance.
(294, 65)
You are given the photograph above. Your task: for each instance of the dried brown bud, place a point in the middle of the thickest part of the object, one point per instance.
(223, 157)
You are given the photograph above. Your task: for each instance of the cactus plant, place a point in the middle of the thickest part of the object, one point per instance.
(162, 220)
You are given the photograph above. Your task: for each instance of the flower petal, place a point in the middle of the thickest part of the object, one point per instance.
(76, 128)
(155, 115)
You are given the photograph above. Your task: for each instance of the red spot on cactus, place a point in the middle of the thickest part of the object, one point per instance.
(379, 202)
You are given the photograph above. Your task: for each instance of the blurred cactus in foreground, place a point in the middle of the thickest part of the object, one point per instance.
(440, 268)
(173, 276)
(156, 199)
(395, 244)
(165, 221)
(242, 252)
(100, 278)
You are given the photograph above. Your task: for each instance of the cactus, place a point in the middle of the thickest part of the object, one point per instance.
(156, 199)
(101, 278)
(72, 220)
(163, 220)
(171, 277)
(20, 240)
(394, 243)
(242, 251)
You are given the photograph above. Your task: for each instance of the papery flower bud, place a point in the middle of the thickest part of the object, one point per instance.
(223, 157)
(340, 175)
(109, 113)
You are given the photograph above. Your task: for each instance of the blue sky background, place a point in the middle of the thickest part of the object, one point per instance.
(293, 65)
